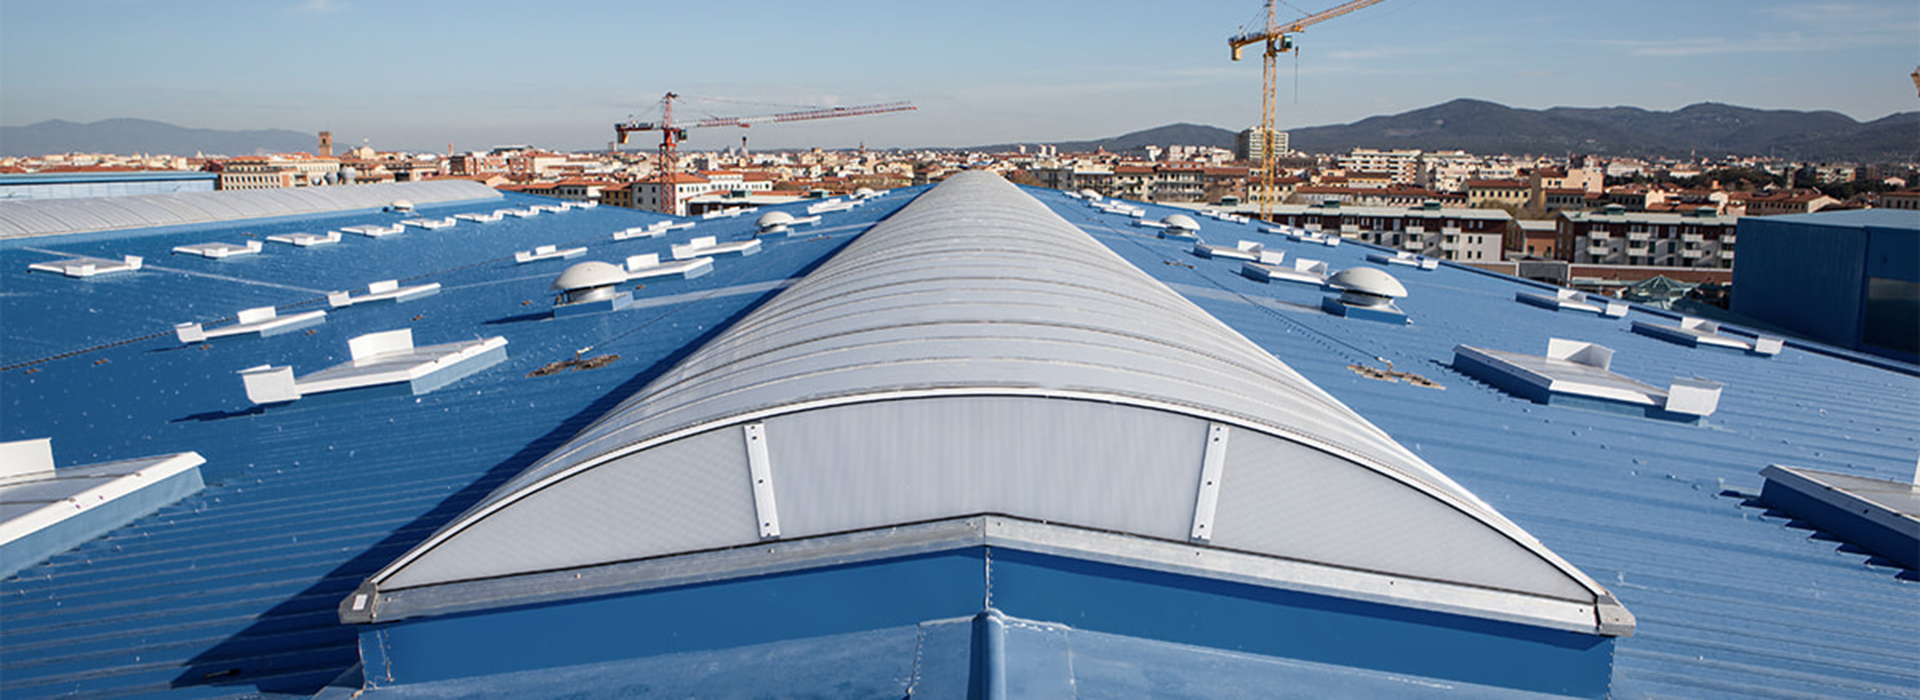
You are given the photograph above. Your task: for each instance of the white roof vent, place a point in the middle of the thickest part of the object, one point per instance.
(1700, 332)
(1301, 270)
(1365, 293)
(374, 230)
(401, 205)
(306, 240)
(479, 218)
(87, 267)
(1418, 262)
(774, 221)
(384, 290)
(430, 224)
(1573, 300)
(547, 252)
(379, 359)
(648, 266)
(1244, 250)
(588, 287)
(710, 246)
(1577, 373)
(218, 250)
(263, 321)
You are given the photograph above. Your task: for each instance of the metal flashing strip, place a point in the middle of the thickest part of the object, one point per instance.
(1212, 463)
(760, 469)
(1604, 616)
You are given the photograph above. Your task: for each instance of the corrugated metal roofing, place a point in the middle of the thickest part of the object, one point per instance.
(977, 354)
(233, 591)
(47, 217)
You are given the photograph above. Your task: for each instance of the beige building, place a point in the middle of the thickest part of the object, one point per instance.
(1613, 235)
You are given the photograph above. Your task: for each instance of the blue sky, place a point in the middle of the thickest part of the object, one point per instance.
(418, 74)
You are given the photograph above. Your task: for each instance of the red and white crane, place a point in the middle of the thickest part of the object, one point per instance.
(672, 133)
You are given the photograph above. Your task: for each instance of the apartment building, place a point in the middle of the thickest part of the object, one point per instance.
(1613, 235)
(1448, 233)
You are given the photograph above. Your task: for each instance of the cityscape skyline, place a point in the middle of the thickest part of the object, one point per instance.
(441, 73)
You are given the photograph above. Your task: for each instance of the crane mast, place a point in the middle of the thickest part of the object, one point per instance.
(672, 133)
(1275, 37)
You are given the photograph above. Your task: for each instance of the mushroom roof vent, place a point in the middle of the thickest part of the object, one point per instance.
(1181, 221)
(402, 205)
(1367, 280)
(774, 218)
(590, 274)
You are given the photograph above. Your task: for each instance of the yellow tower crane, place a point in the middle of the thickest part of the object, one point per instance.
(1277, 41)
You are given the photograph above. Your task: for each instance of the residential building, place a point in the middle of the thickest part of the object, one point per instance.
(1512, 193)
(1614, 235)
(1787, 202)
(1447, 233)
(1249, 146)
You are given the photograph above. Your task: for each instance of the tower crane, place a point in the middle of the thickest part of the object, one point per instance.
(671, 133)
(1275, 36)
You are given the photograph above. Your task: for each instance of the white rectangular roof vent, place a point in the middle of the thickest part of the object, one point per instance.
(549, 208)
(520, 213)
(385, 290)
(1301, 235)
(1700, 332)
(88, 267)
(1573, 300)
(306, 240)
(1577, 373)
(429, 224)
(1421, 262)
(46, 511)
(709, 246)
(374, 230)
(574, 204)
(218, 250)
(547, 252)
(653, 230)
(831, 205)
(1301, 270)
(1245, 250)
(649, 266)
(480, 218)
(263, 321)
(379, 359)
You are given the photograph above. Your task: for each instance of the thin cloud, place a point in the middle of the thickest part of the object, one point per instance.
(320, 7)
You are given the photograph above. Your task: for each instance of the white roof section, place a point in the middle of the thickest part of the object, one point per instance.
(977, 354)
(47, 217)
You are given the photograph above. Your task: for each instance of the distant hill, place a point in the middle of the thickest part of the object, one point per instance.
(1181, 134)
(1481, 127)
(129, 136)
(1705, 129)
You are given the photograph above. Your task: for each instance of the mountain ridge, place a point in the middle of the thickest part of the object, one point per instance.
(1705, 129)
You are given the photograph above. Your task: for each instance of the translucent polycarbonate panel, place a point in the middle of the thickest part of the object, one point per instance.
(1072, 462)
(688, 495)
(1293, 501)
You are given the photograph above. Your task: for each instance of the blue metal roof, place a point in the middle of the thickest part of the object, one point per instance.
(234, 591)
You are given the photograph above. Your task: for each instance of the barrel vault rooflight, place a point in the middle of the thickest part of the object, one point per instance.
(975, 385)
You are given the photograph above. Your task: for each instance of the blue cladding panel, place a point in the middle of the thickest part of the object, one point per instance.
(815, 603)
(1105, 598)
